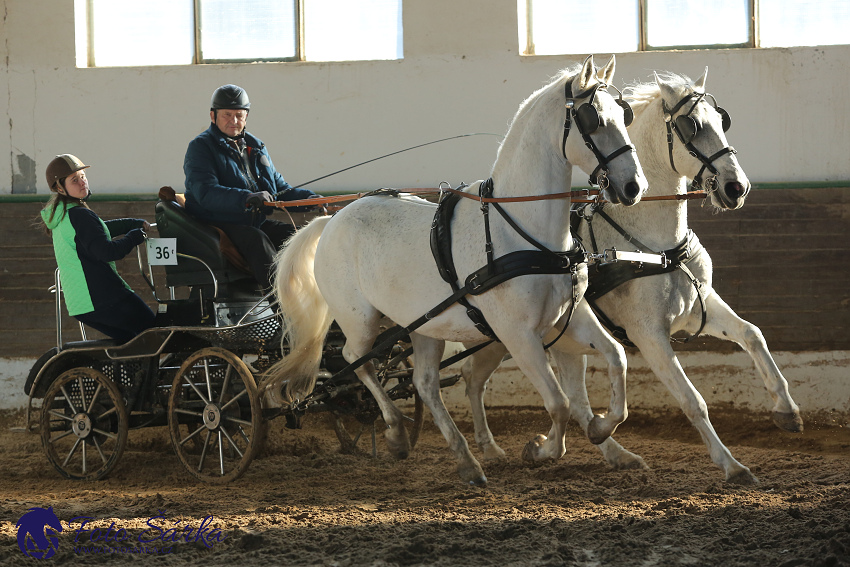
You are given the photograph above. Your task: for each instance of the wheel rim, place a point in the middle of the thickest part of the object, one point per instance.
(214, 415)
(83, 424)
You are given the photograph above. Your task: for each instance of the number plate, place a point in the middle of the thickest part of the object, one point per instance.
(162, 251)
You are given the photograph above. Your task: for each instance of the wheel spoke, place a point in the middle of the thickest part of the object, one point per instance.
(108, 412)
(237, 420)
(62, 436)
(93, 398)
(197, 391)
(244, 436)
(187, 412)
(83, 404)
(68, 400)
(85, 468)
(99, 450)
(232, 444)
(71, 452)
(234, 398)
(220, 454)
(105, 433)
(207, 377)
(225, 384)
(204, 451)
(188, 437)
(55, 413)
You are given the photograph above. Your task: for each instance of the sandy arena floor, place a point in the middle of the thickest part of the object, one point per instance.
(303, 503)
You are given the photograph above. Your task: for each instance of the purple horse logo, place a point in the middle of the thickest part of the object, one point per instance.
(32, 533)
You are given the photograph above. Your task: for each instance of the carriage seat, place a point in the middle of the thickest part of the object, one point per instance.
(198, 239)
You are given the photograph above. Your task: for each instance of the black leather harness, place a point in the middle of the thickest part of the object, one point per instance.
(497, 270)
(604, 277)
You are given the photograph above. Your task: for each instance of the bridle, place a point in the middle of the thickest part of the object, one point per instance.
(686, 129)
(587, 120)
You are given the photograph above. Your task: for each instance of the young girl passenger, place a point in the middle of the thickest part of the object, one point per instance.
(86, 252)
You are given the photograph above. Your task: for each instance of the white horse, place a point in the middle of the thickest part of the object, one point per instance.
(652, 309)
(373, 258)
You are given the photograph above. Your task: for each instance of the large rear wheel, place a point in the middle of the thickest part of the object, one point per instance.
(355, 418)
(83, 424)
(214, 415)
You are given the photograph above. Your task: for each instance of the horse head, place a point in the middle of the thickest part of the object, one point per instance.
(696, 140)
(600, 144)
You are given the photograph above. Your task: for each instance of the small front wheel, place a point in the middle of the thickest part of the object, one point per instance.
(214, 415)
(83, 424)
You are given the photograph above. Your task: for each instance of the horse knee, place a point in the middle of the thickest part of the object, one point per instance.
(752, 338)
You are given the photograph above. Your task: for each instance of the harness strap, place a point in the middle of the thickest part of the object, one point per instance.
(441, 249)
(603, 278)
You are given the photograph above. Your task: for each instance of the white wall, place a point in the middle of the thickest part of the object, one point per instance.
(461, 73)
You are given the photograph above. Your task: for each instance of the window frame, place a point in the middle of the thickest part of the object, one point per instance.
(197, 57)
(643, 45)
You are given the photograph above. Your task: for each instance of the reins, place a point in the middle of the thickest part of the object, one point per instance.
(700, 194)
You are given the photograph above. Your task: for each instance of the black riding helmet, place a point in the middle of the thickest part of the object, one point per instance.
(230, 97)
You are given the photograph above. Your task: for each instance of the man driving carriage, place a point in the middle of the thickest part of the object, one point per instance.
(229, 175)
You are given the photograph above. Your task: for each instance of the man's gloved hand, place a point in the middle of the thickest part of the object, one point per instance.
(256, 200)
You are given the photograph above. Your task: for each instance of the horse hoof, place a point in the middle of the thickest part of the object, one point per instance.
(743, 477)
(493, 452)
(398, 443)
(597, 430)
(531, 451)
(788, 421)
(630, 462)
(472, 474)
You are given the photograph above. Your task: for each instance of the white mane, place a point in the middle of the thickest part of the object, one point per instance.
(640, 95)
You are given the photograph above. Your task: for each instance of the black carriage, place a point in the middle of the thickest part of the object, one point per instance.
(196, 372)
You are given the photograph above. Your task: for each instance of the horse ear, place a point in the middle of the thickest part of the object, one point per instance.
(606, 74)
(667, 92)
(586, 73)
(699, 84)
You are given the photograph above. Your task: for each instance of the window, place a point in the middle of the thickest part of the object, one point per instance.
(182, 32)
(549, 27)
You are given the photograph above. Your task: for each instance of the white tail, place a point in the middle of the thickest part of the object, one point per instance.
(304, 313)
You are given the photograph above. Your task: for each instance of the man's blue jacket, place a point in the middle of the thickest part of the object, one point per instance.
(216, 187)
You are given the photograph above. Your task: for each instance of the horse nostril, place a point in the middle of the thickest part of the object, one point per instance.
(631, 191)
(734, 190)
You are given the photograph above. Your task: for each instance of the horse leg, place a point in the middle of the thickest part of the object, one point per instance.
(586, 332)
(476, 372)
(585, 329)
(357, 344)
(662, 359)
(722, 322)
(531, 359)
(427, 353)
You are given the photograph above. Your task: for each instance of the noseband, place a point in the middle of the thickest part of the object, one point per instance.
(686, 129)
(587, 120)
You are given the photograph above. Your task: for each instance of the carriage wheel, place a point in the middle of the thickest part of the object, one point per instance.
(83, 424)
(358, 429)
(214, 415)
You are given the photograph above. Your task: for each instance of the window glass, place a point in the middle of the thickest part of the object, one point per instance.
(153, 32)
(579, 26)
(785, 23)
(342, 30)
(678, 23)
(247, 29)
